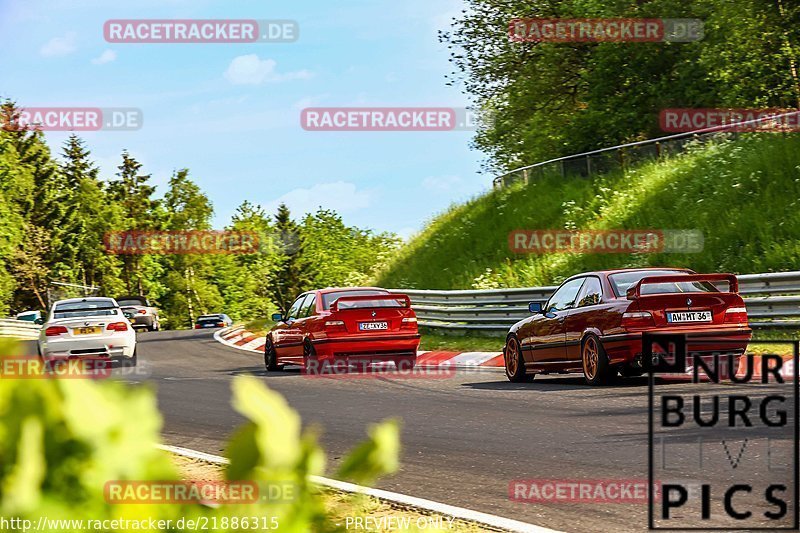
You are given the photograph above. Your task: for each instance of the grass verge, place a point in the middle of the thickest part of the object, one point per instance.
(342, 506)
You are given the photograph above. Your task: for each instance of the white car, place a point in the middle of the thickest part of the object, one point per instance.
(92, 327)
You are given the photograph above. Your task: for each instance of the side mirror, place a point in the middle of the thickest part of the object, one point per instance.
(39, 321)
(535, 307)
(277, 317)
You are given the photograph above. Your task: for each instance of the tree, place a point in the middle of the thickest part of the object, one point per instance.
(293, 273)
(30, 266)
(190, 288)
(134, 196)
(554, 99)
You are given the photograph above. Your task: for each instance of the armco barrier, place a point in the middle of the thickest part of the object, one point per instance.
(772, 300)
(20, 329)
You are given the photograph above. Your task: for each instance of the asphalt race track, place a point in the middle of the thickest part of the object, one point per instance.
(465, 437)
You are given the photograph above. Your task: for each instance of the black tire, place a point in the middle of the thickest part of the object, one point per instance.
(627, 371)
(596, 368)
(514, 362)
(311, 364)
(271, 357)
(126, 362)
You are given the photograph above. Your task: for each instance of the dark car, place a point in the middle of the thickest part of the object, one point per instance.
(593, 322)
(218, 320)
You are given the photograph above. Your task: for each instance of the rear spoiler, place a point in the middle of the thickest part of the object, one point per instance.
(399, 297)
(635, 291)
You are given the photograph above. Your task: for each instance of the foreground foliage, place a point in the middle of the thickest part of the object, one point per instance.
(61, 440)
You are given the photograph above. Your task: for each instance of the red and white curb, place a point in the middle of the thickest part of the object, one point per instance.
(468, 515)
(240, 338)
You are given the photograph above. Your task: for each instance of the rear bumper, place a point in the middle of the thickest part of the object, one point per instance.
(627, 347)
(373, 348)
(116, 347)
(141, 321)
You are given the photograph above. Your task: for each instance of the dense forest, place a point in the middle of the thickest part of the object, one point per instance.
(56, 209)
(554, 99)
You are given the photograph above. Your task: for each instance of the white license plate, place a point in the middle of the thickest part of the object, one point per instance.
(372, 326)
(688, 316)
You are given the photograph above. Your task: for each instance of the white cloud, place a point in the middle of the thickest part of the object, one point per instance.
(251, 70)
(341, 196)
(106, 57)
(60, 46)
(309, 101)
(441, 183)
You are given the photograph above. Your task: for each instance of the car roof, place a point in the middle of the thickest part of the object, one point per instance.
(620, 270)
(85, 299)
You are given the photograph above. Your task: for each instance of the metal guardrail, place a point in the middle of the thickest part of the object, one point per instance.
(772, 300)
(20, 329)
(627, 155)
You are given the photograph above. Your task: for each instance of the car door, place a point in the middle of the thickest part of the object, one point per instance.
(299, 327)
(583, 315)
(546, 345)
(286, 335)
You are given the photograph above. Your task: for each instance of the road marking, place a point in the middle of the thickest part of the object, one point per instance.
(403, 499)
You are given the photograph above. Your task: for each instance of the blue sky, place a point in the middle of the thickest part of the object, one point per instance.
(244, 140)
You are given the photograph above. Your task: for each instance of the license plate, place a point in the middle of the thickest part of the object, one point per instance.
(689, 316)
(372, 326)
(93, 330)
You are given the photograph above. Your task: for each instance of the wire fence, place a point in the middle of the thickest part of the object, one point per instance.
(625, 156)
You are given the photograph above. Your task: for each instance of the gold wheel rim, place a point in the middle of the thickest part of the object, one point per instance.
(590, 358)
(512, 357)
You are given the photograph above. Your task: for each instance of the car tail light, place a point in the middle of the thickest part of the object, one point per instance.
(637, 319)
(55, 331)
(408, 322)
(220, 324)
(117, 326)
(736, 315)
(335, 325)
(142, 312)
(197, 326)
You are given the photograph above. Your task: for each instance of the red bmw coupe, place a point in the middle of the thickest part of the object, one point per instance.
(593, 323)
(359, 325)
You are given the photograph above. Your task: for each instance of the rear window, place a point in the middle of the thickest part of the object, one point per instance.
(85, 308)
(328, 299)
(209, 318)
(625, 280)
(130, 301)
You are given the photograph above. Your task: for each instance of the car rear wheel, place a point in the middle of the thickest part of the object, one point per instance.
(129, 361)
(311, 364)
(514, 363)
(596, 368)
(271, 357)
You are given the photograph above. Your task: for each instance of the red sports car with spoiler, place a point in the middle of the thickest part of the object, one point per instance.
(593, 322)
(358, 326)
